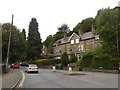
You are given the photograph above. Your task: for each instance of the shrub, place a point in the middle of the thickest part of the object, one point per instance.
(46, 62)
(65, 59)
(86, 60)
(115, 62)
(102, 61)
(73, 58)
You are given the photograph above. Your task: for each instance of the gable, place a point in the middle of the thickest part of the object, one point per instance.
(74, 36)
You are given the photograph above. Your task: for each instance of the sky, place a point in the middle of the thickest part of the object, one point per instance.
(51, 14)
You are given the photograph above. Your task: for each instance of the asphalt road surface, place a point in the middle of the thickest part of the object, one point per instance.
(48, 79)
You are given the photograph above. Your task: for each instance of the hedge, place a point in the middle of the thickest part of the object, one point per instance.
(46, 62)
(86, 60)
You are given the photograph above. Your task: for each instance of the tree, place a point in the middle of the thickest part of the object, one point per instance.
(73, 58)
(107, 27)
(34, 44)
(65, 59)
(84, 26)
(24, 33)
(22, 46)
(14, 50)
(65, 29)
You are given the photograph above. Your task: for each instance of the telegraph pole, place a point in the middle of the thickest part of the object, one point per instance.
(9, 44)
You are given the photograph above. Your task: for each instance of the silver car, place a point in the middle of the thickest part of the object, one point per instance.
(32, 68)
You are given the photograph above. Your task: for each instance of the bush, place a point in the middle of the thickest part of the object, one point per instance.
(86, 60)
(47, 62)
(102, 61)
(115, 62)
(65, 59)
(73, 58)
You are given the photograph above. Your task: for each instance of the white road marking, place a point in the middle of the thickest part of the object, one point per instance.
(23, 79)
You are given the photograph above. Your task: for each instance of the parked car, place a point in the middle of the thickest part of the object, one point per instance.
(15, 65)
(23, 64)
(32, 68)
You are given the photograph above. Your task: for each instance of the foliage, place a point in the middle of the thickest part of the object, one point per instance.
(73, 58)
(115, 62)
(64, 28)
(17, 43)
(107, 27)
(65, 59)
(34, 44)
(86, 59)
(47, 62)
(102, 61)
(85, 25)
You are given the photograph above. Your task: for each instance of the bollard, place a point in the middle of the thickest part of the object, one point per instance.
(70, 70)
(54, 68)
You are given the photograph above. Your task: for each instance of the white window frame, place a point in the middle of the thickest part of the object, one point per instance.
(77, 41)
(72, 41)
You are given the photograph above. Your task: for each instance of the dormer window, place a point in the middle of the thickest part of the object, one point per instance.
(72, 41)
(77, 41)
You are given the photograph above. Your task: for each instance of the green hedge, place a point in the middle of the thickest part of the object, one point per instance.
(90, 60)
(46, 62)
(86, 60)
(102, 61)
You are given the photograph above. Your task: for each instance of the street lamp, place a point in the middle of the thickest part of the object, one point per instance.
(9, 45)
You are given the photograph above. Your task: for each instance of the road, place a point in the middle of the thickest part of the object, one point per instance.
(48, 79)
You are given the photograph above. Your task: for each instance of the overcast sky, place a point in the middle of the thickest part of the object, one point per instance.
(51, 13)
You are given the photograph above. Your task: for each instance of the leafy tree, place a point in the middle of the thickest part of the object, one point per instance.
(34, 44)
(65, 59)
(107, 24)
(14, 42)
(24, 33)
(73, 58)
(22, 46)
(64, 28)
(85, 25)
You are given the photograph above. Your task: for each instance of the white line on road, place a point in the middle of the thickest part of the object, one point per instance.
(23, 79)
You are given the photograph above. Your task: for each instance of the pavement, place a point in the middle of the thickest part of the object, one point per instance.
(11, 78)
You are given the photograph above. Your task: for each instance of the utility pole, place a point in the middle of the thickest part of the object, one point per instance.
(9, 44)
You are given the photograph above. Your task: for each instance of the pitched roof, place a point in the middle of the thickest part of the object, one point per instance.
(87, 35)
(62, 41)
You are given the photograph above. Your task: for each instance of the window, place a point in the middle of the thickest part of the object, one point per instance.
(72, 41)
(82, 48)
(77, 41)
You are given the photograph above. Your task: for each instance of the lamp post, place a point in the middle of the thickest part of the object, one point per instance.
(9, 45)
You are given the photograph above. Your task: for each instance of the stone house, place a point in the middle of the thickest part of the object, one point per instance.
(76, 44)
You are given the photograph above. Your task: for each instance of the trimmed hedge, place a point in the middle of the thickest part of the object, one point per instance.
(102, 61)
(86, 60)
(90, 60)
(46, 62)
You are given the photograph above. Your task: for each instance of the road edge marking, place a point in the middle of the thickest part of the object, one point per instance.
(23, 79)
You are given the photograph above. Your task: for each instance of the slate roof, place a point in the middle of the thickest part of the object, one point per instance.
(87, 35)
